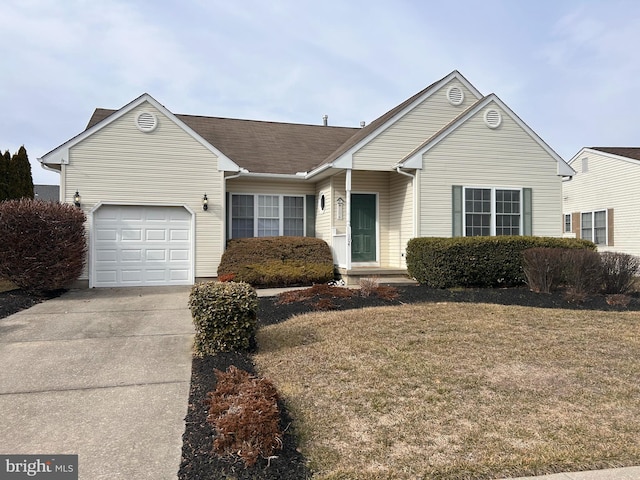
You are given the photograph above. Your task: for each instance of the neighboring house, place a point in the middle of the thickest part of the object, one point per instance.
(448, 161)
(599, 203)
(47, 193)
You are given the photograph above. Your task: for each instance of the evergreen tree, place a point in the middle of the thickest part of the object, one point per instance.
(18, 177)
(25, 179)
(5, 160)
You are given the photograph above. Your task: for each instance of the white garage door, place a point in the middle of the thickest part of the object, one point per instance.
(142, 245)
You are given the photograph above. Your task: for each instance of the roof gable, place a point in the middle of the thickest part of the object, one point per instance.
(342, 156)
(625, 154)
(101, 118)
(414, 159)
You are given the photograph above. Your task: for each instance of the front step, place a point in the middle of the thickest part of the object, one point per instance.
(382, 276)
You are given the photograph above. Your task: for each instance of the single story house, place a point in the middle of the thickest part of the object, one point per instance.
(164, 192)
(597, 201)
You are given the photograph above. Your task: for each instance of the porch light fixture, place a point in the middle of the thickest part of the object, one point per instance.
(205, 203)
(76, 199)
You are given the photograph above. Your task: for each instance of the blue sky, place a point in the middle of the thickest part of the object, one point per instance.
(568, 68)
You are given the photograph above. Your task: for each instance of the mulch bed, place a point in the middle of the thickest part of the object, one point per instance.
(197, 461)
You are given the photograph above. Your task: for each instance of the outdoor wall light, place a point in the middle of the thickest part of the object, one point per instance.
(76, 199)
(205, 203)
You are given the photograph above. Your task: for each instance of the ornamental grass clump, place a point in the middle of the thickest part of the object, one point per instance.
(224, 315)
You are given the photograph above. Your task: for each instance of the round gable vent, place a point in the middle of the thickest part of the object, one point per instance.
(492, 118)
(146, 122)
(455, 95)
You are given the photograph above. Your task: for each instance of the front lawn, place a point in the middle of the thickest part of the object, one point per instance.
(458, 390)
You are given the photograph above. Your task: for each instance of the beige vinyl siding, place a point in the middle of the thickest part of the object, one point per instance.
(412, 130)
(376, 182)
(323, 219)
(269, 187)
(477, 156)
(610, 183)
(400, 218)
(121, 164)
(338, 189)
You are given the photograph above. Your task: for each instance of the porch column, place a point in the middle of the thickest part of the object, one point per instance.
(348, 216)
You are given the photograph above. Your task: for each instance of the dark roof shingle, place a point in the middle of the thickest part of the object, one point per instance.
(629, 152)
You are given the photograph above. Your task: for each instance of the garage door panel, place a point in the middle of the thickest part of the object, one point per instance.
(142, 245)
(156, 235)
(179, 275)
(179, 235)
(156, 255)
(107, 235)
(179, 255)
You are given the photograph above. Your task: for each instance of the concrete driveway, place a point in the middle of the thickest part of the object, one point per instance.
(102, 373)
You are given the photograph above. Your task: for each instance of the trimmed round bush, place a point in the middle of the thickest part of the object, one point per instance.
(42, 244)
(225, 316)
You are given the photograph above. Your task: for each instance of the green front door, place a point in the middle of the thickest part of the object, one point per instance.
(363, 227)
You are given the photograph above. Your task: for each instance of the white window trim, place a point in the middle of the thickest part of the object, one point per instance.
(493, 207)
(255, 211)
(564, 223)
(593, 225)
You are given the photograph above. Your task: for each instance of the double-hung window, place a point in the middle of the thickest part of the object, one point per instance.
(492, 211)
(593, 226)
(266, 215)
(567, 223)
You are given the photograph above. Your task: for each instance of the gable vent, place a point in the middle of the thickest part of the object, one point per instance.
(455, 95)
(146, 122)
(492, 118)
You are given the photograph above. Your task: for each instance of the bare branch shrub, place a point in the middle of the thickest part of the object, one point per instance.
(543, 268)
(582, 272)
(619, 271)
(368, 286)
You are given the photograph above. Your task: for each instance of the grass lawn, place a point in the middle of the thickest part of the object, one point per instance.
(458, 391)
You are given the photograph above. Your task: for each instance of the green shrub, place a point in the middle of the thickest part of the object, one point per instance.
(476, 261)
(244, 411)
(277, 261)
(42, 245)
(619, 272)
(224, 315)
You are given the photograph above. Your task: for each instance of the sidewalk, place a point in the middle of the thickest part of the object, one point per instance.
(629, 473)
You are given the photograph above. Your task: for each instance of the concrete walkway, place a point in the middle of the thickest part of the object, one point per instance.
(629, 473)
(102, 373)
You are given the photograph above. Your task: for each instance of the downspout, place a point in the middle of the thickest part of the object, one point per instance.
(348, 217)
(415, 198)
